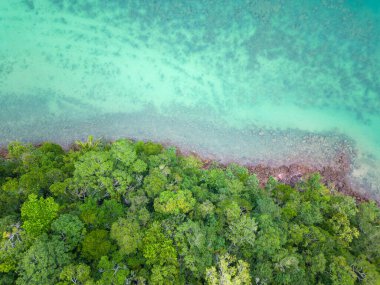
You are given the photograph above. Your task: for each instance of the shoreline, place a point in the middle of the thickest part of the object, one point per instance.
(336, 178)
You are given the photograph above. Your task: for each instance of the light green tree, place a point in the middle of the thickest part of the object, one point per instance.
(159, 252)
(229, 271)
(127, 234)
(113, 272)
(123, 153)
(242, 232)
(341, 272)
(78, 274)
(37, 214)
(339, 225)
(92, 175)
(170, 202)
(154, 183)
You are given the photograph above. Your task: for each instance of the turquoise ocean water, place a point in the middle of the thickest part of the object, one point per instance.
(254, 81)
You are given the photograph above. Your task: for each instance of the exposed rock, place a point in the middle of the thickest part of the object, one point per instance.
(3, 152)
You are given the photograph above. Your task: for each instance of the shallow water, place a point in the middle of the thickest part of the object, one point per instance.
(254, 81)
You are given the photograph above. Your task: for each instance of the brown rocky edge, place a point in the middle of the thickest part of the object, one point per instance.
(335, 178)
(3, 152)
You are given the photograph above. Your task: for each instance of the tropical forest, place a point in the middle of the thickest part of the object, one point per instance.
(138, 213)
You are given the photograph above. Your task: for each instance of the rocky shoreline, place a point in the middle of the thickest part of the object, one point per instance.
(334, 177)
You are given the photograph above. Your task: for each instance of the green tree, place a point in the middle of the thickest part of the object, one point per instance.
(43, 262)
(368, 223)
(242, 233)
(112, 272)
(139, 166)
(170, 202)
(12, 245)
(37, 214)
(164, 274)
(269, 237)
(90, 144)
(161, 254)
(69, 229)
(79, 274)
(287, 268)
(123, 153)
(127, 234)
(339, 225)
(148, 148)
(158, 249)
(317, 265)
(9, 196)
(100, 216)
(92, 175)
(341, 272)
(194, 247)
(154, 183)
(366, 272)
(17, 149)
(95, 245)
(229, 271)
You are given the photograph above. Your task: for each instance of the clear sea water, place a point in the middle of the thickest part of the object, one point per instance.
(255, 81)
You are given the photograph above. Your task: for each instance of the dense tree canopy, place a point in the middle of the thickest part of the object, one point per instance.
(137, 213)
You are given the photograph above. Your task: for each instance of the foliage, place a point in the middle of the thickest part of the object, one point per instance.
(95, 245)
(42, 262)
(90, 144)
(69, 229)
(174, 202)
(137, 213)
(128, 235)
(230, 272)
(37, 214)
(76, 274)
(112, 272)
